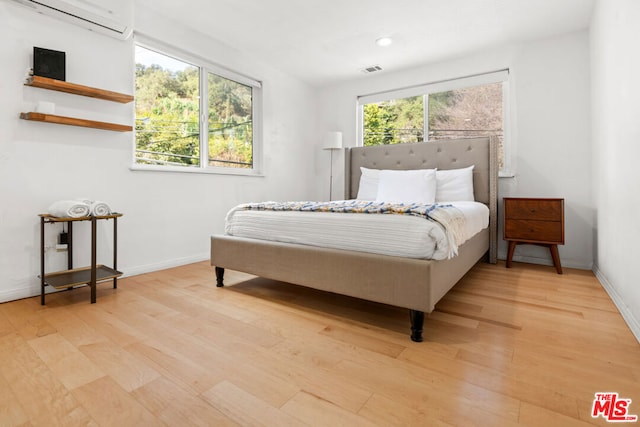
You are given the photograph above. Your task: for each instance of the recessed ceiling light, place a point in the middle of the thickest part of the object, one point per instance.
(384, 41)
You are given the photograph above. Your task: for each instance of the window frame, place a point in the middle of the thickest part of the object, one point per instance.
(206, 67)
(424, 90)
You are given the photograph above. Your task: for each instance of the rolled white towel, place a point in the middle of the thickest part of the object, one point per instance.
(69, 209)
(99, 208)
(96, 207)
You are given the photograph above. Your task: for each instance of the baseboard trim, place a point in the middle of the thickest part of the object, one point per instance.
(27, 291)
(568, 263)
(149, 268)
(632, 322)
(31, 288)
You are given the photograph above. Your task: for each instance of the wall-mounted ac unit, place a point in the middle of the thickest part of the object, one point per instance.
(87, 14)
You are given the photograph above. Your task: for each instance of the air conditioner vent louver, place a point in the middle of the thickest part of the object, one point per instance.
(371, 69)
(99, 19)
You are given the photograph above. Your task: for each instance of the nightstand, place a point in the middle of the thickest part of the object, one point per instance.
(535, 222)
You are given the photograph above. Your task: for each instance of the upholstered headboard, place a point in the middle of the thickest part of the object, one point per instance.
(442, 154)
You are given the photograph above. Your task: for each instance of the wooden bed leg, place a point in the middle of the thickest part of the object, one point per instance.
(219, 277)
(417, 322)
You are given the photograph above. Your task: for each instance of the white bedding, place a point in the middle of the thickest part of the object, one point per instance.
(396, 235)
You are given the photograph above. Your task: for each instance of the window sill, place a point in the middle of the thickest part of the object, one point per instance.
(211, 171)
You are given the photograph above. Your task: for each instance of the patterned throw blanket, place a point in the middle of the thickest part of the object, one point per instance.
(450, 217)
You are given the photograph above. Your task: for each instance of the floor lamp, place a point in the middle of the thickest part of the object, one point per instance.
(333, 141)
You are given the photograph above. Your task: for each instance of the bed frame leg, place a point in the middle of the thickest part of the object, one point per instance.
(417, 322)
(219, 277)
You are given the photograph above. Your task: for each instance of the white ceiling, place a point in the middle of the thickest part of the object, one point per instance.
(323, 41)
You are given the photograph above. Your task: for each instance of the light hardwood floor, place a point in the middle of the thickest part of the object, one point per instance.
(519, 346)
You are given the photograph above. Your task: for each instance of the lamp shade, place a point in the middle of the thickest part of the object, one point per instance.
(332, 141)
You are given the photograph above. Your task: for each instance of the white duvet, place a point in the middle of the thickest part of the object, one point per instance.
(395, 235)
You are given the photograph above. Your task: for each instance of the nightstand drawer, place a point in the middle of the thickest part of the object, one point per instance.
(538, 209)
(534, 231)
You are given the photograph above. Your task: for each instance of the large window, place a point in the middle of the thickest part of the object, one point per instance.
(473, 106)
(189, 114)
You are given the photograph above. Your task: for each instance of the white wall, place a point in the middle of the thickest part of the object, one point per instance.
(549, 93)
(553, 148)
(168, 217)
(615, 87)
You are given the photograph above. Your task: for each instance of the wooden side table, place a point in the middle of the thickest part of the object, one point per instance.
(534, 221)
(89, 275)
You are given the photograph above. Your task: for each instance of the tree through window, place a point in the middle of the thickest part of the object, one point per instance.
(465, 111)
(172, 98)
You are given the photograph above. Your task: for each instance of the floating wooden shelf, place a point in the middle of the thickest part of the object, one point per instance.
(62, 86)
(79, 276)
(62, 120)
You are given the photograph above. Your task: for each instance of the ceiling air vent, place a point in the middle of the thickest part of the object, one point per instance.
(371, 69)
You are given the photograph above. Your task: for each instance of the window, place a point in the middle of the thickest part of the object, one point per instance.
(472, 106)
(193, 115)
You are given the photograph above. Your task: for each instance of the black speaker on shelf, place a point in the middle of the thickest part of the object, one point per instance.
(49, 63)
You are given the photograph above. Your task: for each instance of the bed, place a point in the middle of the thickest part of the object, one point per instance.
(412, 283)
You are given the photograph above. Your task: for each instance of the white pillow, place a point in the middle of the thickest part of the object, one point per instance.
(368, 188)
(455, 185)
(411, 186)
